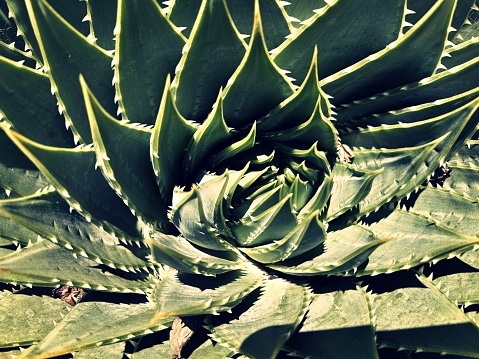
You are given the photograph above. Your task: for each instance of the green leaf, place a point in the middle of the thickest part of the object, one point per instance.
(195, 212)
(462, 53)
(350, 186)
(363, 27)
(10, 52)
(30, 318)
(403, 171)
(410, 58)
(46, 264)
(344, 250)
(73, 13)
(307, 235)
(276, 22)
(19, 11)
(413, 239)
(242, 105)
(167, 154)
(463, 181)
(211, 134)
(184, 294)
(123, 153)
(471, 258)
(72, 172)
(449, 209)
(180, 254)
(416, 133)
(53, 221)
(213, 52)
(68, 54)
(423, 318)
(337, 326)
(200, 346)
(411, 114)
(94, 322)
(111, 351)
(462, 288)
(17, 174)
(266, 324)
(316, 129)
(183, 14)
(297, 108)
(272, 224)
(31, 109)
(143, 60)
(102, 17)
(446, 84)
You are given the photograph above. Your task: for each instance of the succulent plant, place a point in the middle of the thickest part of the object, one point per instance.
(226, 179)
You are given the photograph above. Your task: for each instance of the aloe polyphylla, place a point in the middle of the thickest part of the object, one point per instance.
(297, 178)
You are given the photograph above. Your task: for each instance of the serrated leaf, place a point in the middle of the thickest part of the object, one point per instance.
(210, 136)
(17, 174)
(307, 235)
(412, 134)
(183, 14)
(272, 224)
(265, 325)
(20, 57)
(462, 288)
(344, 250)
(214, 51)
(183, 294)
(180, 254)
(446, 84)
(451, 210)
(338, 325)
(111, 351)
(275, 21)
(168, 154)
(199, 347)
(123, 153)
(67, 54)
(471, 258)
(31, 108)
(375, 25)
(350, 186)
(102, 21)
(46, 264)
(297, 108)
(195, 212)
(72, 172)
(29, 318)
(95, 321)
(241, 104)
(141, 61)
(400, 171)
(22, 20)
(463, 181)
(53, 221)
(393, 66)
(316, 129)
(443, 327)
(413, 239)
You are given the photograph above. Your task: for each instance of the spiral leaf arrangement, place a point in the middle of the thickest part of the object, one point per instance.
(299, 178)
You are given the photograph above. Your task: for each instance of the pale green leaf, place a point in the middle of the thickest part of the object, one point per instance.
(338, 325)
(461, 288)
(94, 322)
(47, 264)
(190, 294)
(424, 319)
(263, 326)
